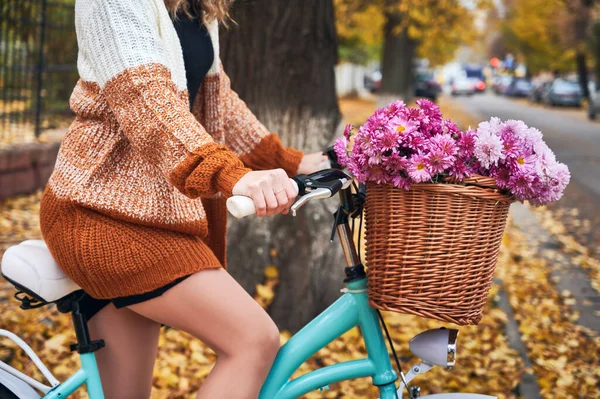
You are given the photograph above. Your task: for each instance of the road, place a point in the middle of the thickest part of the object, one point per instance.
(576, 142)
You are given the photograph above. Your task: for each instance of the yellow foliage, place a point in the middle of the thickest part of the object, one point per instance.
(532, 31)
(438, 26)
(366, 23)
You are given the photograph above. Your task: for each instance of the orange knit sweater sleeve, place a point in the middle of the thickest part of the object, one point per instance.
(249, 139)
(156, 119)
(122, 50)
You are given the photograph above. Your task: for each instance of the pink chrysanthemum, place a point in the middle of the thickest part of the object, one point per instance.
(488, 149)
(492, 126)
(466, 142)
(437, 161)
(341, 147)
(513, 128)
(418, 169)
(460, 169)
(525, 166)
(445, 143)
(403, 146)
(348, 131)
(400, 181)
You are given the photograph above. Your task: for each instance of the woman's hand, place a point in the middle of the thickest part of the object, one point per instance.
(271, 190)
(312, 163)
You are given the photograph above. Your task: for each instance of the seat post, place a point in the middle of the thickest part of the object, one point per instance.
(80, 325)
(84, 343)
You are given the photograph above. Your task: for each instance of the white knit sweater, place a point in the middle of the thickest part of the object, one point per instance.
(122, 34)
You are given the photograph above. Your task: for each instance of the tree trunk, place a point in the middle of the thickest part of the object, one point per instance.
(582, 73)
(281, 57)
(595, 48)
(581, 11)
(397, 65)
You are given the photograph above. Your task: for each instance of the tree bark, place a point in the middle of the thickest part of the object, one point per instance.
(581, 11)
(398, 57)
(281, 57)
(582, 73)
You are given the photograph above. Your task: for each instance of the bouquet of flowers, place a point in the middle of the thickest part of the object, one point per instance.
(403, 145)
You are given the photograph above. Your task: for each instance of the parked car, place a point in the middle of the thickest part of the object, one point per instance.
(519, 87)
(462, 86)
(476, 75)
(538, 90)
(426, 86)
(372, 81)
(594, 103)
(563, 92)
(501, 84)
(479, 84)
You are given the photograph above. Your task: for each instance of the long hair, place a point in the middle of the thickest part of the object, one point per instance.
(213, 9)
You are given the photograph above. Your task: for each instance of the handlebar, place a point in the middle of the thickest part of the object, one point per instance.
(240, 206)
(323, 184)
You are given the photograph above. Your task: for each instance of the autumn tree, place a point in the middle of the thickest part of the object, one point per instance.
(551, 35)
(360, 30)
(530, 31)
(281, 57)
(576, 14)
(431, 29)
(594, 47)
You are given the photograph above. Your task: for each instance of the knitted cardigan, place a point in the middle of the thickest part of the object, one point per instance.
(135, 152)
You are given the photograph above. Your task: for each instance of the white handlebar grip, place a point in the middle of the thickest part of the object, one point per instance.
(240, 206)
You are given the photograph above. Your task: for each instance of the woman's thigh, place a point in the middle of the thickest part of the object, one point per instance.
(127, 361)
(213, 307)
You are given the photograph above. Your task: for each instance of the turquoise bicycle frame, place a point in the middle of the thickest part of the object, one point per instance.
(88, 374)
(352, 309)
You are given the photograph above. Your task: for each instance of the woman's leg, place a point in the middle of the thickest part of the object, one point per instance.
(127, 361)
(213, 307)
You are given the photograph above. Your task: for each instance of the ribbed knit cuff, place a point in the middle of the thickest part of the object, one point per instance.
(270, 153)
(290, 160)
(228, 178)
(207, 171)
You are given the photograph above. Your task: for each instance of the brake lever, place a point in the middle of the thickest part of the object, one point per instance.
(316, 193)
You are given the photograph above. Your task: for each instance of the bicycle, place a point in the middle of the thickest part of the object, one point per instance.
(31, 269)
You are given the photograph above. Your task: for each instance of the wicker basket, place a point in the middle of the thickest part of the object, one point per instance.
(432, 251)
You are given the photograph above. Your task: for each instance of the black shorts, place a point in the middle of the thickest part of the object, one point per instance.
(89, 306)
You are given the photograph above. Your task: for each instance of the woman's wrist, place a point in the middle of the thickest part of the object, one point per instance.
(229, 177)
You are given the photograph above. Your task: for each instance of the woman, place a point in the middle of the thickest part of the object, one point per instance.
(134, 210)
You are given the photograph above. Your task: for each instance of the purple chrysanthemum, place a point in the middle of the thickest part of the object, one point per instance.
(341, 147)
(403, 146)
(445, 143)
(437, 161)
(492, 126)
(488, 149)
(418, 169)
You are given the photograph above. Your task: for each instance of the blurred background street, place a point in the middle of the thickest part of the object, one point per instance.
(306, 68)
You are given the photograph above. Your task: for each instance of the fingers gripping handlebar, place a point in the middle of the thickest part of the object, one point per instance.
(322, 184)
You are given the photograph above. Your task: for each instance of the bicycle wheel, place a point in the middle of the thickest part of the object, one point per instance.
(5, 393)
(13, 388)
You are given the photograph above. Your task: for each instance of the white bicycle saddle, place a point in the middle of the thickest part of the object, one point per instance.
(30, 267)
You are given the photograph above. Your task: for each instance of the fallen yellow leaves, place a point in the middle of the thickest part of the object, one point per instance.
(564, 355)
(577, 252)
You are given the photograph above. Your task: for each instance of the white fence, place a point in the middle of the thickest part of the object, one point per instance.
(350, 79)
